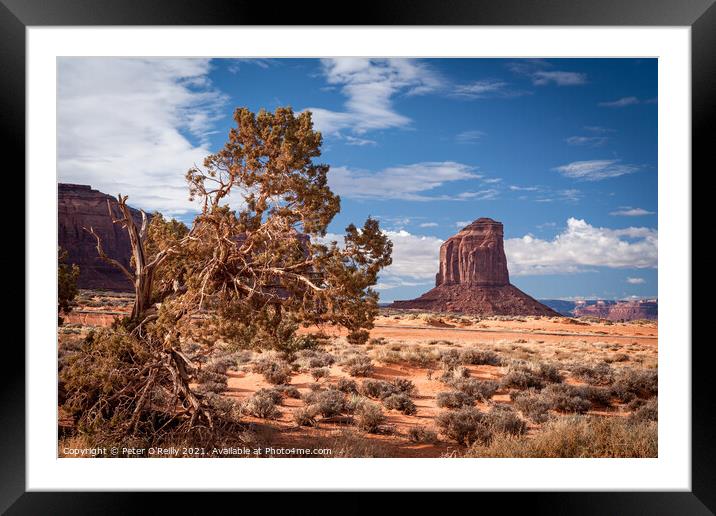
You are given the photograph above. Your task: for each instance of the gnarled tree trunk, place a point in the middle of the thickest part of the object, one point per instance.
(143, 274)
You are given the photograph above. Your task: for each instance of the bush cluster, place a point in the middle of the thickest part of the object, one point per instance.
(381, 389)
(274, 370)
(358, 365)
(400, 402)
(454, 399)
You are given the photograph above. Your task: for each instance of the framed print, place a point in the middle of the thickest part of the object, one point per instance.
(417, 250)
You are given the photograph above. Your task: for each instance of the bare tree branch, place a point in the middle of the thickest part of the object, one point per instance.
(103, 255)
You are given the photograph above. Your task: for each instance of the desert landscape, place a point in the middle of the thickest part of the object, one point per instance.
(517, 380)
(314, 283)
(537, 374)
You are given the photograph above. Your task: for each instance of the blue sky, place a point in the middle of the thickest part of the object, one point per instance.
(562, 151)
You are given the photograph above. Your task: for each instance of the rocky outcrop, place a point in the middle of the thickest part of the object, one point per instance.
(618, 310)
(80, 206)
(475, 256)
(473, 277)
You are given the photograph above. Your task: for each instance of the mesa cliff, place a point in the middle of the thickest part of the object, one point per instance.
(473, 277)
(80, 206)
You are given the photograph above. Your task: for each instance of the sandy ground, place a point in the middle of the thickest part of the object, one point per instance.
(553, 339)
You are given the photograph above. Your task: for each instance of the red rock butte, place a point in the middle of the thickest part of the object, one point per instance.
(473, 277)
(80, 206)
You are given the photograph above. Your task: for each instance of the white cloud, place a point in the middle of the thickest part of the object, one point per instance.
(622, 102)
(370, 86)
(541, 73)
(352, 140)
(462, 223)
(542, 78)
(480, 89)
(596, 170)
(429, 225)
(581, 246)
(598, 129)
(636, 281)
(466, 137)
(415, 257)
(628, 211)
(516, 188)
(124, 126)
(589, 141)
(407, 182)
(480, 195)
(568, 195)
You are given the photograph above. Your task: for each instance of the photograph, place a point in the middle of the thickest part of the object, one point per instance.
(357, 257)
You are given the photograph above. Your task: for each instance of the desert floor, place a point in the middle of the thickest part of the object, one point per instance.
(400, 336)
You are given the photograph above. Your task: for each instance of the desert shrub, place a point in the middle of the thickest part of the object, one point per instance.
(305, 416)
(311, 358)
(403, 385)
(220, 364)
(211, 387)
(648, 411)
(504, 420)
(330, 403)
(319, 372)
(377, 389)
(600, 374)
(289, 391)
(575, 437)
(597, 395)
(422, 435)
(479, 389)
(357, 337)
(564, 399)
(400, 402)
(346, 385)
(522, 379)
(369, 417)
(549, 373)
(447, 377)
(630, 383)
(310, 397)
(454, 399)
(353, 402)
(526, 375)
(450, 359)
(465, 426)
(474, 356)
(461, 372)
(275, 395)
(532, 405)
(358, 365)
(262, 405)
(273, 369)
(120, 388)
(619, 357)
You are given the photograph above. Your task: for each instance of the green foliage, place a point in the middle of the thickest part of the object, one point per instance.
(67, 276)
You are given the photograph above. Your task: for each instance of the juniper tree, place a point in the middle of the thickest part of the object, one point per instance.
(254, 265)
(67, 276)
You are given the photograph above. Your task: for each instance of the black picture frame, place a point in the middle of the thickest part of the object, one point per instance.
(700, 15)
